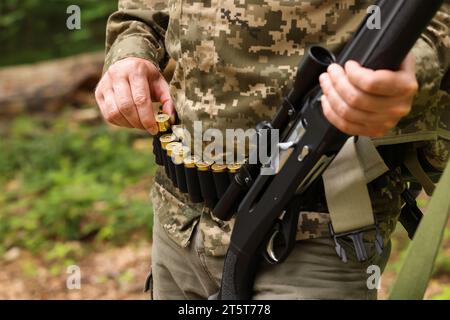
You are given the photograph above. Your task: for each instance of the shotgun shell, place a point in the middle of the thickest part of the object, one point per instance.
(178, 130)
(233, 168)
(178, 155)
(172, 173)
(171, 146)
(189, 162)
(162, 120)
(218, 168)
(203, 165)
(192, 181)
(221, 179)
(165, 139)
(157, 150)
(207, 185)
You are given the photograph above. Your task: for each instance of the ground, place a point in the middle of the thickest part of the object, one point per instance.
(110, 272)
(106, 272)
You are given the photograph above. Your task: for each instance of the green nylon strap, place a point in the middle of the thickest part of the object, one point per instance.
(416, 271)
(357, 164)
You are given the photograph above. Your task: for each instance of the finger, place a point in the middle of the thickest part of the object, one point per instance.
(356, 98)
(342, 109)
(124, 101)
(409, 64)
(99, 97)
(111, 112)
(382, 82)
(103, 86)
(161, 93)
(141, 95)
(103, 90)
(345, 126)
(349, 99)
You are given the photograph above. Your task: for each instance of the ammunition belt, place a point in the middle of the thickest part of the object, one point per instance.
(204, 181)
(207, 181)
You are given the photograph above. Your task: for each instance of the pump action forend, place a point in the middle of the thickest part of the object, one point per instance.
(309, 141)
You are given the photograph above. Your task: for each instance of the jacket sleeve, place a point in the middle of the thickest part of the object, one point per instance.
(432, 53)
(137, 29)
(432, 103)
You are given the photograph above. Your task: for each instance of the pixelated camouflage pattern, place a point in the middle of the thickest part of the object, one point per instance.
(312, 225)
(236, 59)
(385, 195)
(239, 58)
(437, 153)
(137, 29)
(179, 216)
(430, 116)
(175, 212)
(216, 234)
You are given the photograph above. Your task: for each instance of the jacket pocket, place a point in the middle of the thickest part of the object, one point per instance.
(176, 217)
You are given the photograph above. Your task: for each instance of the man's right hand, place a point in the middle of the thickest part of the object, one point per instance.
(126, 91)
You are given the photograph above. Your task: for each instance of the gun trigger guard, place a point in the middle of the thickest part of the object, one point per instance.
(286, 228)
(269, 254)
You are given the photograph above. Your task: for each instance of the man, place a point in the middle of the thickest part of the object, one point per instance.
(235, 60)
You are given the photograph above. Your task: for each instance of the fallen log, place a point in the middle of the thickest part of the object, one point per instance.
(49, 86)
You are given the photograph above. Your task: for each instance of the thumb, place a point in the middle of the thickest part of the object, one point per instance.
(162, 94)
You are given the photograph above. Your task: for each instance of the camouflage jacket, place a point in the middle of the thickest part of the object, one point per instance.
(235, 60)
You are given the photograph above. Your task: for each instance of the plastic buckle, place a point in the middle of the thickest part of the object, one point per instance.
(357, 238)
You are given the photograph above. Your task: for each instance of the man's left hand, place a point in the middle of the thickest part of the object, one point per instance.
(361, 101)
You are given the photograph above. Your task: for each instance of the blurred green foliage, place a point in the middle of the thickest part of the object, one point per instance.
(63, 181)
(32, 30)
(444, 295)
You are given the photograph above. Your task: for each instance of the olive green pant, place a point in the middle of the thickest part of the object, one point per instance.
(312, 271)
